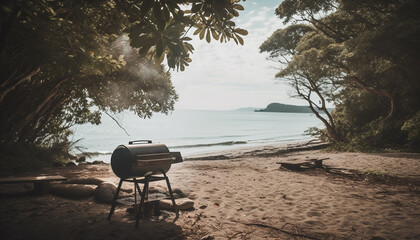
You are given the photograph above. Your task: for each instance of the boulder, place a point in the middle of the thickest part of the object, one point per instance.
(81, 159)
(72, 190)
(178, 193)
(87, 181)
(105, 192)
(182, 204)
(70, 164)
(98, 162)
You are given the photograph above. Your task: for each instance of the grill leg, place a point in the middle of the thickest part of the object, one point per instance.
(136, 188)
(143, 196)
(171, 193)
(114, 201)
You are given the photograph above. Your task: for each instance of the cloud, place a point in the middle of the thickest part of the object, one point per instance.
(228, 76)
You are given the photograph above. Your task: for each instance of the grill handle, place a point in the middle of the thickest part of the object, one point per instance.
(139, 141)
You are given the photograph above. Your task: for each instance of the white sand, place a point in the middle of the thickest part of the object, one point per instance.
(248, 197)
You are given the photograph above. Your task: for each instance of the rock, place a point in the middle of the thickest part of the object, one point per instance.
(70, 164)
(15, 189)
(82, 163)
(87, 181)
(98, 162)
(58, 164)
(182, 204)
(105, 192)
(72, 190)
(178, 193)
(81, 159)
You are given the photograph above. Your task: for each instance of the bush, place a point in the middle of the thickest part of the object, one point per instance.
(17, 157)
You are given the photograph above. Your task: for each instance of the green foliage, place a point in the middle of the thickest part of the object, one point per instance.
(363, 57)
(321, 134)
(412, 128)
(17, 157)
(65, 62)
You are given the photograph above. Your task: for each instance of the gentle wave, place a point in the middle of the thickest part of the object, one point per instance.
(97, 153)
(228, 143)
(207, 137)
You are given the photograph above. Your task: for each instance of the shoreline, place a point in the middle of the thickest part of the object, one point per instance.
(238, 152)
(260, 151)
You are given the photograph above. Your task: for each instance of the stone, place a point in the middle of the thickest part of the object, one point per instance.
(178, 193)
(87, 181)
(70, 164)
(81, 159)
(183, 204)
(72, 190)
(15, 189)
(105, 192)
(98, 162)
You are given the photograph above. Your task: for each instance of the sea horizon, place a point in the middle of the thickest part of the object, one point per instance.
(194, 132)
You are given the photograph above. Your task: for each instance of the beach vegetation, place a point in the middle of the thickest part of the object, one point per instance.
(68, 62)
(359, 56)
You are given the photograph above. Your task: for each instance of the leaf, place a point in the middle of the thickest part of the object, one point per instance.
(171, 61)
(214, 34)
(145, 7)
(166, 13)
(186, 39)
(235, 13)
(160, 21)
(195, 8)
(241, 41)
(159, 48)
(236, 41)
(159, 59)
(197, 31)
(238, 7)
(202, 34)
(241, 31)
(208, 37)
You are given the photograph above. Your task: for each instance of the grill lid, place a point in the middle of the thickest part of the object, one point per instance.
(140, 159)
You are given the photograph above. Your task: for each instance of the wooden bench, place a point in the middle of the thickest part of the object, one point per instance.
(41, 183)
(297, 164)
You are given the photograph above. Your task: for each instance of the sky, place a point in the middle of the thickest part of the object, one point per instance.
(226, 76)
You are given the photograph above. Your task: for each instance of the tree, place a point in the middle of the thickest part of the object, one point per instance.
(305, 68)
(64, 62)
(360, 55)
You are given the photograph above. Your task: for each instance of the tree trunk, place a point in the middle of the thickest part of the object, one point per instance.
(10, 84)
(30, 117)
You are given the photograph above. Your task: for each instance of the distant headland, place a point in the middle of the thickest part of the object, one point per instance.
(279, 107)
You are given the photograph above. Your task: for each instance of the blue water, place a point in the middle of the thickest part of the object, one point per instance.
(193, 132)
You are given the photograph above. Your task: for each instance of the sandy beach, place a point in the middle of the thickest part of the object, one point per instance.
(239, 195)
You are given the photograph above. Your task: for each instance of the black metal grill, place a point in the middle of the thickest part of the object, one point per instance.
(140, 158)
(139, 162)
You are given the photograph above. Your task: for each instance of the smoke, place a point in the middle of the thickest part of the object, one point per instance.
(136, 65)
(139, 81)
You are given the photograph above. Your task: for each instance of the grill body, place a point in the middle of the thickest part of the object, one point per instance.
(141, 158)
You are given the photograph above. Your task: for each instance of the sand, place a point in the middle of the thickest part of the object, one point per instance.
(246, 196)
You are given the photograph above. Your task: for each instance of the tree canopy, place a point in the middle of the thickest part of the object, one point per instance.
(359, 55)
(65, 62)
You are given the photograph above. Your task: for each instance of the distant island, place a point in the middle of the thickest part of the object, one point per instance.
(279, 107)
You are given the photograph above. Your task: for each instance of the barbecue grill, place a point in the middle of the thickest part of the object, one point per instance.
(142, 161)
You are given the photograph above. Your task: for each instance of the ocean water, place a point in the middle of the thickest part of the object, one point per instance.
(194, 132)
